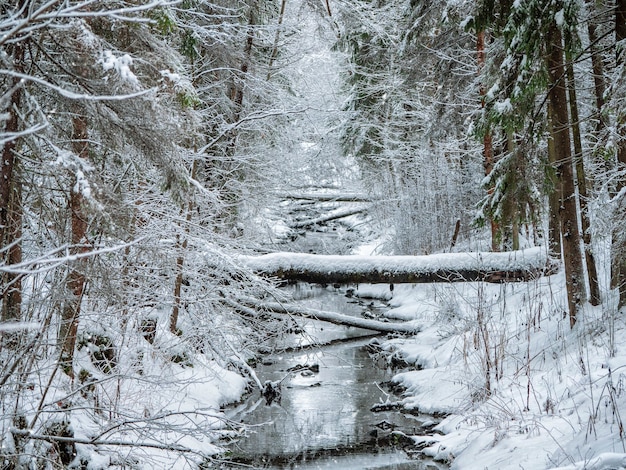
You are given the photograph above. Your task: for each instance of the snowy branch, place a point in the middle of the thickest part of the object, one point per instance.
(70, 94)
(96, 442)
(49, 261)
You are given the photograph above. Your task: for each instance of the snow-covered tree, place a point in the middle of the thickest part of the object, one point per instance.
(408, 84)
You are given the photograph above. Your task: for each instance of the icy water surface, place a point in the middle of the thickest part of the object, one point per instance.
(323, 419)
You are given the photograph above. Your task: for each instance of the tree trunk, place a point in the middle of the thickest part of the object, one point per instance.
(618, 248)
(598, 71)
(487, 139)
(227, 167)
(10, 198)
(76, 279)
(335, 215)
(12, 282)
(180, 260)
(514, 210)
(592, 272)
(557, 96)
(274, 54)
(554, 197)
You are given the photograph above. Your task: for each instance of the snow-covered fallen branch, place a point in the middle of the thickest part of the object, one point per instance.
(338, 214)
(326, 197)
(511, 266)
(333, 317)
(97, 442)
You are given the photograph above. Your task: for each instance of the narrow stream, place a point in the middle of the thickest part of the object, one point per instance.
(323, 419)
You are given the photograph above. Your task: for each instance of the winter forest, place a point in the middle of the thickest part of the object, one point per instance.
(196, 195)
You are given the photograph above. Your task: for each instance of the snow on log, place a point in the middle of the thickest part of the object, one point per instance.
(326, 197)
(336, 318)
(338, 214)
(522, 265)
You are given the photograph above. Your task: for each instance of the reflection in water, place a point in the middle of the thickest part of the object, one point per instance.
(323, 413)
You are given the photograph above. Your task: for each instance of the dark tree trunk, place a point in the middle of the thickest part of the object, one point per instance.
(274, 54)
(598, 72)
(557, 95)
(180, 259)
(10, 198)
(554, 197)
(76, 279)
(618, 248)
(592, 272)
(488, 159)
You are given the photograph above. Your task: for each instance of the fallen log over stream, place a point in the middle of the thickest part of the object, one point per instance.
(513, 266)
(333, 317)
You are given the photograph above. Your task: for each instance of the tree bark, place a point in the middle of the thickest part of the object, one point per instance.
(488, 159)
(10, 197)
(180, 260)
(592, 272)
(513, 214)
(76, 279)
(554, 196)
(598, 71)
(618, 248)
(572, 256)
(274, 54)
(455, 235)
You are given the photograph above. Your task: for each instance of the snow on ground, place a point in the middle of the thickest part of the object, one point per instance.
(157, 407)
(174, 405)
(522, 390)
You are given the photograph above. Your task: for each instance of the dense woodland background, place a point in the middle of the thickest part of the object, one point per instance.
(147, 144)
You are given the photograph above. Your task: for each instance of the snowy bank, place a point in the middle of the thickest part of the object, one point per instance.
(519, 387)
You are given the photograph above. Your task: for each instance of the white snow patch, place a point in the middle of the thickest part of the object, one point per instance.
(503, 107)
(559, 17)
(121, 65)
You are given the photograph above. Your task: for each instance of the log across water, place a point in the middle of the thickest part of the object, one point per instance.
(514, 266)
(334, 317)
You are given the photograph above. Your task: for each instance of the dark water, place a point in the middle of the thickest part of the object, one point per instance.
(323, 419)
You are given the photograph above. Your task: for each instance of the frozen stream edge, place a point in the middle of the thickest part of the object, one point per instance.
(342, 433)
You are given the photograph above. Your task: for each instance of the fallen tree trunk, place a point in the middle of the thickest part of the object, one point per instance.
(330, 197)
(514, 266)
(333, 317)
(338, 214)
